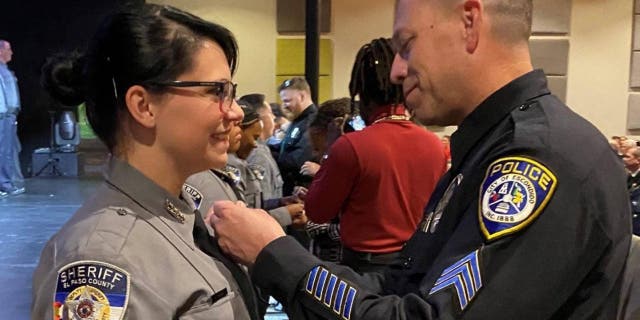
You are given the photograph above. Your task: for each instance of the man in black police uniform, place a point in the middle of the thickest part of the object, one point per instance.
(295, 148)
(532, 220)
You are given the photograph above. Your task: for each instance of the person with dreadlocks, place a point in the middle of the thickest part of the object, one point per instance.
(527, 224)
(376, 180)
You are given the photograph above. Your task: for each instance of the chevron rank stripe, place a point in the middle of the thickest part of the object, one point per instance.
(331, 291)
(464, 276)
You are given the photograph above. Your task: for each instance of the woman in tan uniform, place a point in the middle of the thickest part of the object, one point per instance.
(157, 83)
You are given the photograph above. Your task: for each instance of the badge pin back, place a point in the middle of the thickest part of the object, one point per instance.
(426, 222)
(444, 201)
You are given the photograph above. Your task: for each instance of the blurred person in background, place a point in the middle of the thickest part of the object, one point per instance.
(324, 129)
(376, 180)
(11, 178)
(295, 147)
(260, 159)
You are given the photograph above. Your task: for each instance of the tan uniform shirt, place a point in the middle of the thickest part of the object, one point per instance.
(125, 255)
(250, 187)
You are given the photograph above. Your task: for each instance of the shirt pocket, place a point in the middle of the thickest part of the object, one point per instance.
(213, 308)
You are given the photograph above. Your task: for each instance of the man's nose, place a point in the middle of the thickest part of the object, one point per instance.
(398, 69)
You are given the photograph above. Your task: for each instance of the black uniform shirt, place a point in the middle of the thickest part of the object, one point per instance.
(295, 149)
(531, 222)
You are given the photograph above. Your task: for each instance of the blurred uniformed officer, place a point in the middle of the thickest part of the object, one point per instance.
(215, 184)
(286, 210)
(631, 160)
(260, 159)
(237, 181)
(295, 147)
(156, 77)
(527, 224)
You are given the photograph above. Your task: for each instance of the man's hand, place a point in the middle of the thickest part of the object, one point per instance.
(300, 192)
(298, 217)
(242, 232)
(309, 168)
(295, 209)
(299, 221)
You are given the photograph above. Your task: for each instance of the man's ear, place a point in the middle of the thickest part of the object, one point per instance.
(472, 11)
(138, 101)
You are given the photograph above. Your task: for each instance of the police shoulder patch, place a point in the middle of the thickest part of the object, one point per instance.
(514, 192)
(91, 290)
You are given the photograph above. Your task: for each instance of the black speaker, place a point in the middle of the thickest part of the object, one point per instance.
(291, 16)
(66, 164)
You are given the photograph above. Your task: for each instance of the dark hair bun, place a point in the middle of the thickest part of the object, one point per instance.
(62, 77)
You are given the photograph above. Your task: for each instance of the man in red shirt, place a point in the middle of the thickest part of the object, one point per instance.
(377, 180)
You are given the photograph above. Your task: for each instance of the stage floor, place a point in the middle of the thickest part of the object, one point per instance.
(27, 221)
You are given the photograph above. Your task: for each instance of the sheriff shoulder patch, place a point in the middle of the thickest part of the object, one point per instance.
(91, 290)
(514, 192)
(195, 195)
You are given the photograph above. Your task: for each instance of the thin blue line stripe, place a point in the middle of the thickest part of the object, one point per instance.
(329, 295)
(464, 276)
(311, 280)
(462, 261)
(475, 271)
(456, 282)
(321, 279)
(348, 303)
(337, 304)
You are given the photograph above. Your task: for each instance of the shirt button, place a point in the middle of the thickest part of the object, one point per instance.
(524, 107)
(407, 263)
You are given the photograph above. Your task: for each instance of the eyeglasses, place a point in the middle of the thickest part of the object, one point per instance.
(223, 92)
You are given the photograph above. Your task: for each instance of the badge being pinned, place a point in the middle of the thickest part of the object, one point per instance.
(91, 290)
(514, 192)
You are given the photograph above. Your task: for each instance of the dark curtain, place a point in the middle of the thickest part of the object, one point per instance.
(37, 29)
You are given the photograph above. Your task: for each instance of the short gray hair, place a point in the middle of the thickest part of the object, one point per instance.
(512, 19)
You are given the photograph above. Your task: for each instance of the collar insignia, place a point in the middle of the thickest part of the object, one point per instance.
(174, 211)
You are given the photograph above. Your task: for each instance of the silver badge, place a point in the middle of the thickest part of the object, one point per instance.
(85, 307)
(233, 173)
(431, 220)
(294, 132)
